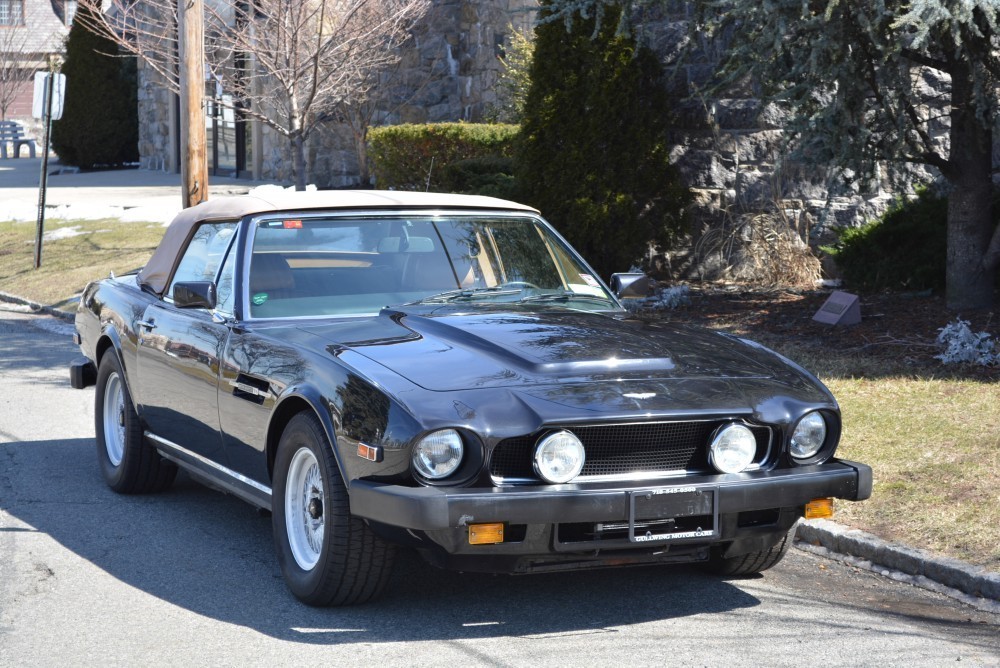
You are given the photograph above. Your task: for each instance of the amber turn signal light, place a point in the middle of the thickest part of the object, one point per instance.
(819, 509)
(486, 534)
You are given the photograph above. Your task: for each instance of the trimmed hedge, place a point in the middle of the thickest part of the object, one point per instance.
(403, 155)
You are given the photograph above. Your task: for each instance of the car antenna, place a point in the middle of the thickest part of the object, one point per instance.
(427, 186)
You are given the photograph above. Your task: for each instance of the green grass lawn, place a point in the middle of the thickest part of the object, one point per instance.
(80, 252)
(932, 435)
(932, 438)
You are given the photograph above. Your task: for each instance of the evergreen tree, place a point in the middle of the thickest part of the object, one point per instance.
(100, 122)
(594, 156)
(859, 82)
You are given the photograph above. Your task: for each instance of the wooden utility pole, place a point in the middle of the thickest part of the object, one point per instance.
(191, 43)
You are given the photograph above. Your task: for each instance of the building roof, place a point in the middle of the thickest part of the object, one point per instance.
(43, 31)
(157, 271)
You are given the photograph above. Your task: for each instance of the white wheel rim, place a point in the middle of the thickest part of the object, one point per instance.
(305, 516)
(114, 419)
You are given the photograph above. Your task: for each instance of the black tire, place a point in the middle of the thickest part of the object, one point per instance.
(751, 563)
(127, 462)
(327, 556)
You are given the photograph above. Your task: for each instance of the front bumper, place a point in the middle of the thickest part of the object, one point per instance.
(439, 508)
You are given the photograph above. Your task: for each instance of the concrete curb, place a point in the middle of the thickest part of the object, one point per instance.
(971, 584)
(34, 306)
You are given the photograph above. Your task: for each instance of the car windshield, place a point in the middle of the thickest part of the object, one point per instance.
(315, 266)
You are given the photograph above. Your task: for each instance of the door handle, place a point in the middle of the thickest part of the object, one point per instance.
(148, 324)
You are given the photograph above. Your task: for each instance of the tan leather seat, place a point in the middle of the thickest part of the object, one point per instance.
(270, 273)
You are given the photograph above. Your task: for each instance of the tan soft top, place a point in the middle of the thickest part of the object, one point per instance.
(156, 273)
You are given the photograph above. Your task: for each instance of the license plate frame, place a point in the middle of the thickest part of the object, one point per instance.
(670, 503)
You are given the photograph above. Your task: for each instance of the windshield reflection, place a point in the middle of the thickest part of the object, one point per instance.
(352, 266)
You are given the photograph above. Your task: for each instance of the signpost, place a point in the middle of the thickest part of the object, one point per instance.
(47, 105)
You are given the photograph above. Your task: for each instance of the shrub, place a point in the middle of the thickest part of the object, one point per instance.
(962, 346)
(594, 155)
(417, 157)
(903, 249)
(491, 175)
(100, 122)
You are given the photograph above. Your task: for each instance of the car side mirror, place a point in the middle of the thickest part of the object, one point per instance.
(629, 285)
(195, 294)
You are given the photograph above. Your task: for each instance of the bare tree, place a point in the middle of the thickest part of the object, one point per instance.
(377, 98)
(291, 64)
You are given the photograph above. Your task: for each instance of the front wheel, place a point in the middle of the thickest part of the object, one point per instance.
(129, 464)
(327, 556)
(751, 563)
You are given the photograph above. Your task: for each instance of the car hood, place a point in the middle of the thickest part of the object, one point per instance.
(450, 348)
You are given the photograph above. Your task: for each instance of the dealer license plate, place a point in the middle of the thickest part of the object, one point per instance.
(673, 513)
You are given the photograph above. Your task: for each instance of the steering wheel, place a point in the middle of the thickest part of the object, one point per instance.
(520, 284)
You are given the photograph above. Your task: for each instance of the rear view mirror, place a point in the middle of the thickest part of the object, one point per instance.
(628, 285)
(195, 294)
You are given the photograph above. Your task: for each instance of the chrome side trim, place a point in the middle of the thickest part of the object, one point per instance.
(180, 450)
(249, 389)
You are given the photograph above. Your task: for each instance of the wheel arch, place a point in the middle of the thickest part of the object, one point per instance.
(295, 401)
(111, 341)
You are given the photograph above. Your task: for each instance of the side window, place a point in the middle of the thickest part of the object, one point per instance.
(224, 286)
(204, 255)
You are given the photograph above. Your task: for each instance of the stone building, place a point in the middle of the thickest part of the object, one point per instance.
(451, 67)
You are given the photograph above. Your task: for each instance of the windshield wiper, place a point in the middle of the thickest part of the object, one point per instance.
(464, 294)
(565, 297)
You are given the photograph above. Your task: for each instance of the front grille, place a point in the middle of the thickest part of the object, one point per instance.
(623, 450)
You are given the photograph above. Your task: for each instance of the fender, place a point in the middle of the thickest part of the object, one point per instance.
(287, 405)
(110, 334)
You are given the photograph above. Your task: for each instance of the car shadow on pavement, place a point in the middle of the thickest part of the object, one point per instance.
(213, 555)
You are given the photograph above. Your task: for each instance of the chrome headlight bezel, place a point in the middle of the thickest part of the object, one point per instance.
(733, 448)
(559, 457)
(811, 438)
(438, 454)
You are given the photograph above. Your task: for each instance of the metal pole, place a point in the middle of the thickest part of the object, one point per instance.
(43, 178)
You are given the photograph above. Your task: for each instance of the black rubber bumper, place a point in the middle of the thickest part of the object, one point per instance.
(431, 508)
(82, 373)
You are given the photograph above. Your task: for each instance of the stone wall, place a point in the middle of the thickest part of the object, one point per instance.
(730, 151)
(156, 129)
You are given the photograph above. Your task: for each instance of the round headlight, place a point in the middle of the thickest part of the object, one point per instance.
(559, 457)
(733, 448)
(438, 454)
(809, 436)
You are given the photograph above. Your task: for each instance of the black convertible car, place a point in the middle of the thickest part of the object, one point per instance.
(444, 372)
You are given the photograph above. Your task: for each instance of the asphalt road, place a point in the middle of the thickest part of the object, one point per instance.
(189, 577)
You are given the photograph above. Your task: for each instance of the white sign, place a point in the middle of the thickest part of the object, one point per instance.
(38, 104)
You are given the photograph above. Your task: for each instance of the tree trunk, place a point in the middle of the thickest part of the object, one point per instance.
(361, 148)
(970, 278)
(299, 161)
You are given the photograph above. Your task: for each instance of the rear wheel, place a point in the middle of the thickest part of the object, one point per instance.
(327, 556)
(752, 562)
(129, 464)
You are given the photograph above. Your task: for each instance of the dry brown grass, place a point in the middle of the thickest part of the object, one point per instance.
(94, 249)
(762, 250)
(930, 432)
